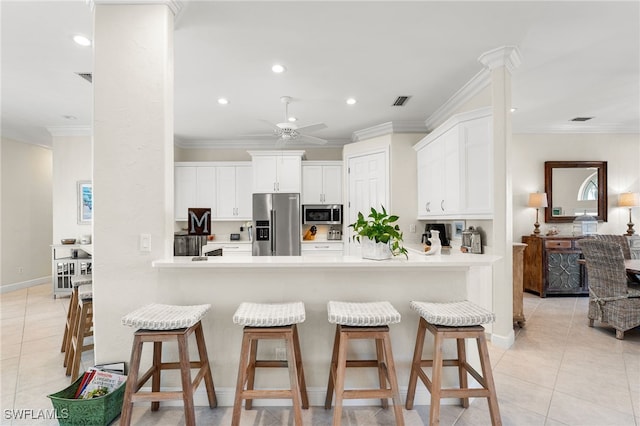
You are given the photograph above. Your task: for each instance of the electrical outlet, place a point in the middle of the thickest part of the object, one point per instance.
(412, 227)
(20, 269)
(281, 354)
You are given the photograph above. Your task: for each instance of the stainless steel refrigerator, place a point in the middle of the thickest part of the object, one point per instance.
(276, 224)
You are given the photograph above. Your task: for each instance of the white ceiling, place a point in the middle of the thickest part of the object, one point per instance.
(578, 59)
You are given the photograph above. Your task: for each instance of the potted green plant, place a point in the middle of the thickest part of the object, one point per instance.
(381, 236)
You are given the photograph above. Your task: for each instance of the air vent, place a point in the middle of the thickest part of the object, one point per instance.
(86, 75)
(581, 119)
(401, 100)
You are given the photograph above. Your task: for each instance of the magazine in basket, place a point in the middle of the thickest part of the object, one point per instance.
(99, 383)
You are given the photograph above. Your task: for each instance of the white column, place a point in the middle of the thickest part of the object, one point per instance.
(132, 162)
(501, 62)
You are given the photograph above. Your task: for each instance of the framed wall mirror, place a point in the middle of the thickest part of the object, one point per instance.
(575, 188)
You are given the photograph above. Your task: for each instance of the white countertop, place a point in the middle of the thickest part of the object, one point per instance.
(416, 260)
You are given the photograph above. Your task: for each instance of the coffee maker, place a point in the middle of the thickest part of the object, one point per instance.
(441, 228)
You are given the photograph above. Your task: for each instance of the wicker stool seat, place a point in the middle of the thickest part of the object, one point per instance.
(367, 320)
(159, 323)
(270, 321)
(452, 320)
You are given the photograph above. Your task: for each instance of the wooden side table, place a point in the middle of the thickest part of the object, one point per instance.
(518, 256)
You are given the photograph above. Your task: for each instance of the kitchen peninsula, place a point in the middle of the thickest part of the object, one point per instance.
(224, 282)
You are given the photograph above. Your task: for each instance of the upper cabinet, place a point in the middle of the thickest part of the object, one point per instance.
(322, 182)
(233, 192)
(276, 171)
(194, 187)
(455, 168)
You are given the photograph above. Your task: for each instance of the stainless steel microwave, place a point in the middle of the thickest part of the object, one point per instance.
(324, 214)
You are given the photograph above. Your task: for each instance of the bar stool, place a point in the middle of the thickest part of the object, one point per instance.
(81, 328)
(270, 321)
(363, 321)
(76, 282)
(159, 323)
(453, 320)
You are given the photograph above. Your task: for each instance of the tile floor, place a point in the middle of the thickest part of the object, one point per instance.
(558, 372)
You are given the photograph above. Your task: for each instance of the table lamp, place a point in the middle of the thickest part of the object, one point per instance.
(537, 200)
(629, 199)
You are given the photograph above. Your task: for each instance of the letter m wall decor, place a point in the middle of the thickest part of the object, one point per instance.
(199, 221)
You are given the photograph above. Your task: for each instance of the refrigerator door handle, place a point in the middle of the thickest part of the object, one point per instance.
(272, 215)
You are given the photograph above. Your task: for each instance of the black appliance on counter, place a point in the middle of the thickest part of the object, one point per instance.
(188, 245)
(437, 227)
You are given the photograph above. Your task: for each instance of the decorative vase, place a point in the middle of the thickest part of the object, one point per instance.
(436, 245)
(375, 251)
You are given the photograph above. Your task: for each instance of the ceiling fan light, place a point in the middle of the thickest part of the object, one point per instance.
(351, 101)
(223, 101)
(278, 69)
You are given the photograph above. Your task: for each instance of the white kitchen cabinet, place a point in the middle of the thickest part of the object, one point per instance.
(323, 248)
(233, 192)
(322, 182)
(454, 168)
(68, 261)
(194, 186)
(276, 171)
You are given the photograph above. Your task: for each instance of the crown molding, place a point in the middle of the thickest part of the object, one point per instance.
(477, 83)
(70, 131)
(174, 5)
(253, 144)
(388, 128)
(504, 56)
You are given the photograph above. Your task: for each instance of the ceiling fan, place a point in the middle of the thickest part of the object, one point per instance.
(288, 131)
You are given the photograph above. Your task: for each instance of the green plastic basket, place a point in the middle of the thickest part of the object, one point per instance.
(94, 411)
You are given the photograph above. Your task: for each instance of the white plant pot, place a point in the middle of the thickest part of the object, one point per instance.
(375, 251)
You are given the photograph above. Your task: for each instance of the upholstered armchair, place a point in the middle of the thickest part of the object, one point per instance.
(609, 299)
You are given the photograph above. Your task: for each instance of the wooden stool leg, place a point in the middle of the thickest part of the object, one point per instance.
(292, 363)
(332, 369)
(204, 361)
(185, 375)
(73, 329)
(416, 363)
(251, 372)
(242, 378)
(71, 311)
(462, 369)
(485, 363)
(340, 376)
(301, 381)
(381, 373)
(155, 378)
(77, 341)
(393, 380)
(132, 381)
(436, 381)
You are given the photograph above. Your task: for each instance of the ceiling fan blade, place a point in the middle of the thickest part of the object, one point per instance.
(272, 125)
(312, 139)
(258, 135)
(312, 127)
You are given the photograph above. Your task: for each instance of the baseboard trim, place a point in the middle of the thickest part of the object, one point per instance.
(24, 284)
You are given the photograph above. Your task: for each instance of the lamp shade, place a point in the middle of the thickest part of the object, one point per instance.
(538, 200)
(629, 199)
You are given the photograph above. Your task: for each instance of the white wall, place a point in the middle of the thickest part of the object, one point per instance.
(622, 153)
(71, 163)
(26, 217)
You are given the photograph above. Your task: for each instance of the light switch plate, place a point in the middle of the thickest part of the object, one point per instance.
(145, 243)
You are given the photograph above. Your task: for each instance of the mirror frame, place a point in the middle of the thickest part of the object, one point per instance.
(601, 166)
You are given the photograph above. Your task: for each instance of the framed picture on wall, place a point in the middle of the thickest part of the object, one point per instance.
(85, 202)
(458, 227)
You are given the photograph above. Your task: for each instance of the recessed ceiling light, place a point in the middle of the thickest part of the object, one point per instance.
(292, 119)
(82, 40)
(277, 68)
(351, 101)
(223, 101)
(69, 117)
(513, 109)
